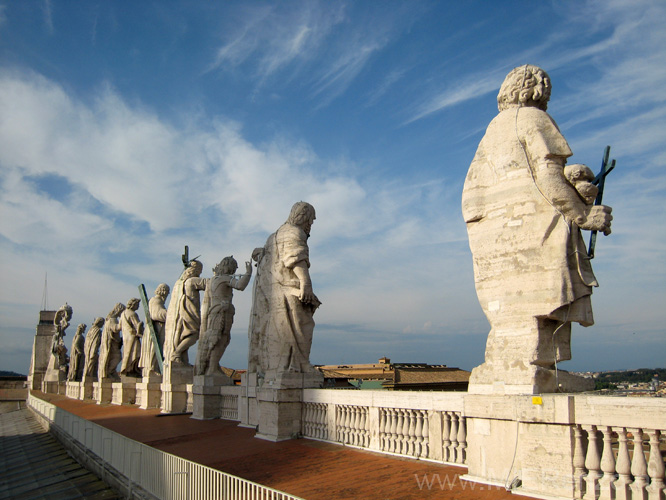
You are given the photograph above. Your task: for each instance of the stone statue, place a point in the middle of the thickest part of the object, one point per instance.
(109, 354)
(158, 313)
(217, 314)
(132, 328)
(59, 359)
(183, 322)
(523, 219)
(76, 357)
(91, 348)
(281, 322)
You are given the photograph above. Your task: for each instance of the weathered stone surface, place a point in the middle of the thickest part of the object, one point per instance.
(91, 350)
(132, 328)
(523, 220)
(158, 313)
(56, 371)
(76, 357)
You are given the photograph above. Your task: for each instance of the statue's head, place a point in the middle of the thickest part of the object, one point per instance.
(67, 309)
(162, 290)
(302, 215)
(81, 328)
(133, 304)
(525, 85)
(117, 309)
(228, 265)
(194, 269)
(98, 322)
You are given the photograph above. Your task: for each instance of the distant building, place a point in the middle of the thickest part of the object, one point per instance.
(395, 376)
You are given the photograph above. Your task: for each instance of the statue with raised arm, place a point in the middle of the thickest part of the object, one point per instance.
(281, 322)
(217, 314)
(91, 348)
(58, 362)
(524, 213)
(158, 313)
(183, 321)
(76, 357)
(132, 328)
(109, 354)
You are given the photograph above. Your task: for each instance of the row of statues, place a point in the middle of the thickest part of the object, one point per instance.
(524, 208)
(281, 322)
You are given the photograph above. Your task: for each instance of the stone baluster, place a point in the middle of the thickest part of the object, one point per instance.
(382, 429)
(404, 433)
(341, 424)
(579, 461)
(398, 430)
(592, 464)
(453, 437)
(349, 422)
(353, 425)
(623, 467)
(323, 416)
(446, 430)
(306, 427)
(607, 481)
(357, 426)
(461, 450)
(425, 448)
(365, 425)
(394, 427)
(418, 432)
(411, 440)
(639, 468)
(655, 467)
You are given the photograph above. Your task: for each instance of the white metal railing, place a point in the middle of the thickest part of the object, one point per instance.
(425, 425)
(161, 474)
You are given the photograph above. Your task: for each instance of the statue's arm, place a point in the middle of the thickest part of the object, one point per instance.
(565, 199)
(303, 274)
(242, 282)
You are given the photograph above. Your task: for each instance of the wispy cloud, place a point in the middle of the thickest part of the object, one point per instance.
(48, 16)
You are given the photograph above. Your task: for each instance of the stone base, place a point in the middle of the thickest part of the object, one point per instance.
(103, 391)
(531, 379)
(175, 387)
(124, 392)
(206, 395)
(524, 437)
(148, 392)
(86, 389)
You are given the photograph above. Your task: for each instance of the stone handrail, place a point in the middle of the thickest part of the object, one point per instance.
(426, 425)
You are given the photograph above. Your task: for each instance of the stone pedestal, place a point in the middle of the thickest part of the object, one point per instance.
(103, 391)
(273, 405)
(148, 392)
(176, 384)
(124, 392)
(206, 396)
(86, 388)
(524, 437)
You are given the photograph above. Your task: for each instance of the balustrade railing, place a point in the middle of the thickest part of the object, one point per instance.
(621, 463)
(229, 407)
(397, 423)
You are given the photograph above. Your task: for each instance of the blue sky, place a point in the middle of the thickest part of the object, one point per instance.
(130, 129)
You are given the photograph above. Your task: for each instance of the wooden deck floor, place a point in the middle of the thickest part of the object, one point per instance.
(312, 470)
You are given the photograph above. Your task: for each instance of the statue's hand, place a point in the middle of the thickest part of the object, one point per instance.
(596, 218)
(307, 296)
(248, 267)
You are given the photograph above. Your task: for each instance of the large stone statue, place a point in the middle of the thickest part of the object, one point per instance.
(76, 356)
(109, 354)
(281, 322)
(531, 270)
(132, 328)
(91, 348)
(57, 367)
(217, 314)
(158, 313)
(183, 322)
